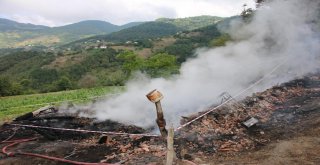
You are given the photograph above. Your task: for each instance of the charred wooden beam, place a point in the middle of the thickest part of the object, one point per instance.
(43, 110)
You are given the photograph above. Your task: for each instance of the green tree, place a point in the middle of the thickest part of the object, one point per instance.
(182, 50)
(87, 81)
(161, 65)
(5, 86)
(44, 76)
(220, 41)
(26, 86)
(246, 13)
(64, 83)
(131, 61)
(16, 89)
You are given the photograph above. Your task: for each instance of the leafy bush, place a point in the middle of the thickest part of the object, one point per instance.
(161, 65)
(220, 41)
(64, 83)
(7, 88)
(131, 61)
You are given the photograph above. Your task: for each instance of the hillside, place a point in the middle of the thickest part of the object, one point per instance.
(158, 37)
(8, 25)
(154, 29)
(192, 23)
(14, 34)
(86, 28)
(155, 48)
(147, 30)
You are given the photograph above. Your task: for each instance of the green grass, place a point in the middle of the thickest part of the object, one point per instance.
(13, 106)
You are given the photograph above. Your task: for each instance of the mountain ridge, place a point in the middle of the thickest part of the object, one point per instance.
(14, 34)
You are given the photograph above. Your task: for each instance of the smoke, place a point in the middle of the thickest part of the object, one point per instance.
(282, 32)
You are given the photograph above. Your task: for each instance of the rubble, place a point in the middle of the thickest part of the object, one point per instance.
(221, 131)
(250, 122)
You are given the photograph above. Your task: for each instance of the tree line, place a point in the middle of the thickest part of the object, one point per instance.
(29, 72)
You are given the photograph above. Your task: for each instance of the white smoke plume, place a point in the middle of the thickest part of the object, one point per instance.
(281, 32)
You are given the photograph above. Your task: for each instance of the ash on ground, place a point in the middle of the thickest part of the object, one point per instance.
(286, 131)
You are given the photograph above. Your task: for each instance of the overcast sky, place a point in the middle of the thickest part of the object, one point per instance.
(61, 12)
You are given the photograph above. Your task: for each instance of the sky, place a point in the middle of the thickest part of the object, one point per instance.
(62, 12)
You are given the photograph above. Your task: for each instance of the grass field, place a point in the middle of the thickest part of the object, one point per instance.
(13, 106)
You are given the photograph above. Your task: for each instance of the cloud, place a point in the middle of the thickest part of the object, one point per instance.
(60, 12)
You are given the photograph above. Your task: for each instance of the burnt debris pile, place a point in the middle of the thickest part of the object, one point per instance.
(276, 113)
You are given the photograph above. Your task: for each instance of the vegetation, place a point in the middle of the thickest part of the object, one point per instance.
(131, 62)
(96, 66)
(14, 106)
(158, 65)
(220, 41)
(91, 65)
(247, 13)
(192, 23)
(33, 72)
(161, 65)
(14, 34)
(187, 42)
(99, 65)
(29, 72)
(7, 88)
(144, 31)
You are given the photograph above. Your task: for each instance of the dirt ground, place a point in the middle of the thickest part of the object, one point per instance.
(288, 132)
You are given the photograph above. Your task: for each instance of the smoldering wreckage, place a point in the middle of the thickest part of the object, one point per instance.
(280, 125)
(46, 136)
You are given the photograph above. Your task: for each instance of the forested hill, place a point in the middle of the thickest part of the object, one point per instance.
(159, 52)
(147, 30)
(14, 34)
(8, 25)
(191, 23)
(158, 28)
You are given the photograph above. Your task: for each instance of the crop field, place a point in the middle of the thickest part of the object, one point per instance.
(14, 106)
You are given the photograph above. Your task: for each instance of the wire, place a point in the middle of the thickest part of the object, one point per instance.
(11, 136)
(85, 131)
(237, 95)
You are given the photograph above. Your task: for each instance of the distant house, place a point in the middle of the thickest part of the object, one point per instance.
(103, 47)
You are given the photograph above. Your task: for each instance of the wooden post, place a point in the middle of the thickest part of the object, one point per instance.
(160, 120)
(155, 96)
(170, 150)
